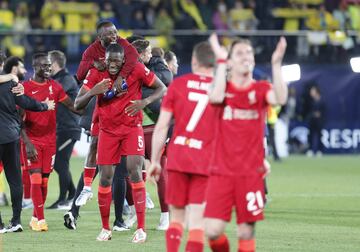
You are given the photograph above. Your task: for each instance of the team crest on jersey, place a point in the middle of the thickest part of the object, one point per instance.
(50, 90)
(252, 97)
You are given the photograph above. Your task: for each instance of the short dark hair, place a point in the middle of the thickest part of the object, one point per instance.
(169, 56)
(115, 48)
(10, 63)
(204, 54)
(134, 37)
(140, 45)
(158, 52)
(2, 57)
(58, 57)
(103, 23)
(37, 56)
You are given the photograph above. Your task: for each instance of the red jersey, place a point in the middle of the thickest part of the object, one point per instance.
(191, 144)
(112, 112)
(41, 126)
(97, 52)
(239, 143)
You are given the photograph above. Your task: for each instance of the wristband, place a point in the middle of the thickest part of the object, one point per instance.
(220, 61)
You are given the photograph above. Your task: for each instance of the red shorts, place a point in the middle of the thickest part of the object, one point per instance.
(185, 188)
(94, 130)
(111, 147)
(245, 193)
(148, 132)
(45, 160)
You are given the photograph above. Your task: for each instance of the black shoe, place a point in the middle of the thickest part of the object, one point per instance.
(69, 220)
(14, 226)
(120, 226)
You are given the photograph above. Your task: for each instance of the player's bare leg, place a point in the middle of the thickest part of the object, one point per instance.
(176, 228)
(89, 172)
(246, 236)
(134, 164)
(195, 225)
(214, 230)
(104, 199)
(38, 195)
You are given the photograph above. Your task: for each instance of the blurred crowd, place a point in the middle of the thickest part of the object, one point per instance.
(328, 19)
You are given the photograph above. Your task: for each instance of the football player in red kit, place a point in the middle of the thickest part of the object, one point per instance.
(39, 134)
(189, 149)
(121, 134)
(237, 171)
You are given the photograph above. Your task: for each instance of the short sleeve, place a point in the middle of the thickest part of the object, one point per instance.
(145, 75)
(61, 95)
(91, 79)
(168, 102)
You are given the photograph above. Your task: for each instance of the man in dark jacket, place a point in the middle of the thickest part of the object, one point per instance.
(68, 131)
(11, 95)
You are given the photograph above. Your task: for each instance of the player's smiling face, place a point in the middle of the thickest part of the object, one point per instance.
(114, 62)
(242, 58)
(42, 67)
(108, 35)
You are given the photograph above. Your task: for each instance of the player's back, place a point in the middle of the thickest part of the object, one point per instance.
(191, 145)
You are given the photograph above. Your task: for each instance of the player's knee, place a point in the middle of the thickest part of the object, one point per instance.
(213, 231)
(245, 231)
(135, 176)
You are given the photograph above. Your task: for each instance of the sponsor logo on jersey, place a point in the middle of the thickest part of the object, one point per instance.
(240, 114)
(252, 97)
(190, 142)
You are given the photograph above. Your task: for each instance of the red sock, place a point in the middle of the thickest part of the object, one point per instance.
(36, 195)
(44, 188)
(89, 173)
(104, 200)
(161, 187)
(221, 244)
(247, 245)
(129, 197)
(26, 183)
(173, 236)
(139, 196)
(195, 241)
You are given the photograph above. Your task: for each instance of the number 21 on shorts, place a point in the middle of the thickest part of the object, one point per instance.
(255, 203)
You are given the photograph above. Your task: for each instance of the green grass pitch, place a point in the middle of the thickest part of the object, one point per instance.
(314, 206)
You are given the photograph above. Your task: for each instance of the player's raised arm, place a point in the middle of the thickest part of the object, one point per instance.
(217, 91)
(69, 104)
(138, 105)
(158, 142)
(279, 93)
(85, 94)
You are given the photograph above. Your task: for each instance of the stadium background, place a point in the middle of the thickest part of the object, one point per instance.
(314, 202)
(322, 35)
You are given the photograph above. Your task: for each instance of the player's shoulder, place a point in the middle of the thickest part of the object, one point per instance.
(140, 69)
(89, 50)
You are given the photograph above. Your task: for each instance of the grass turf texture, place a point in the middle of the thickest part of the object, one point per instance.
(314, 206)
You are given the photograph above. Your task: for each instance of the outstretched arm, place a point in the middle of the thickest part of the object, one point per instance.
(217, 90)
(278, 95)
(138, 105)
(158, 142)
